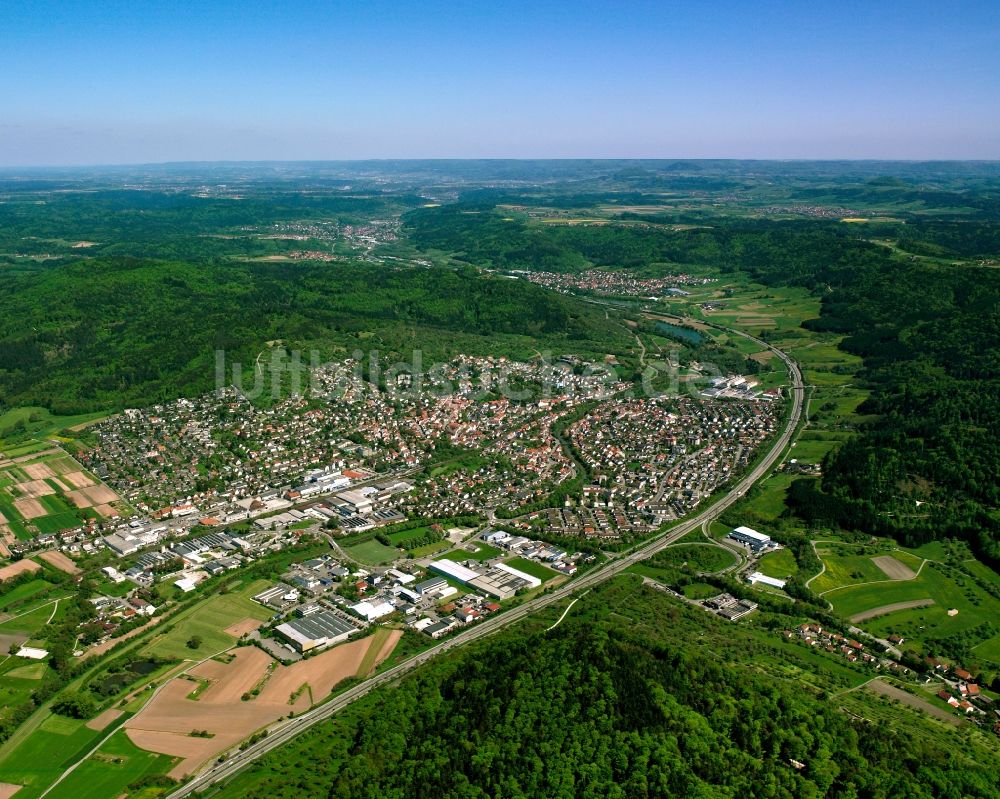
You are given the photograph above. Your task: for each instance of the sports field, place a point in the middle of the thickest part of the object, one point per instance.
(371, 552)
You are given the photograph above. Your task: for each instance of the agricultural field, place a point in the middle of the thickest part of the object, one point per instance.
(245, 693)
(40, 758)
(26, 430)
(945, 588)
(47, 492)
(854, 564)
(109, 771)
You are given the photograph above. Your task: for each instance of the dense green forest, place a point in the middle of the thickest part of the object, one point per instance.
(632, 695)
(111, 332)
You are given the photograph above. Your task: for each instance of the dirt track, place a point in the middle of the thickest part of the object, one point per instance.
(885, 609)
(909, 699)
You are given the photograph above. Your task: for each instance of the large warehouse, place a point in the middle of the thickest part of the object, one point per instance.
(751, 538)
(501, 581)
(316, 630)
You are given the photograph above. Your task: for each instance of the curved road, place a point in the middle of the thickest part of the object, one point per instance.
(288, 729)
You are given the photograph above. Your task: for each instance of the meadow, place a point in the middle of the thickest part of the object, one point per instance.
(948, 589)
(109, 771)
(780, 564)
(208, 621)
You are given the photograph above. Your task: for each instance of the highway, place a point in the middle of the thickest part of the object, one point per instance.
(286, 730)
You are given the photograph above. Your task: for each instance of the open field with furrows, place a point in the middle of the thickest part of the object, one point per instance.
(48, 492)
(229, 711)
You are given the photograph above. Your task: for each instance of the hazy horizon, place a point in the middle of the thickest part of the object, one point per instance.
(118, 83)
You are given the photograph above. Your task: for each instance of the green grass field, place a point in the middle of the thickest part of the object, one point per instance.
(843, 569)
(429, 549)
(974, 606)
(483, 552)
(371, 552)
(108, 772)
(19, 593)
(25, 430)
(207, 621)
(18, 678)
(699, 590)
(780, 564)
(768, 499)
(535, 569)
(46, 753)
(29, 621)
(14, 519)
(400, 538)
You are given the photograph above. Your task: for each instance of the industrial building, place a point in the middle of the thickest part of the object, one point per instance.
(750, 538)
(501, 581)
(316, 630)
(758, 577)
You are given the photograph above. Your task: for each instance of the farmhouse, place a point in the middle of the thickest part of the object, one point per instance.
(316, 630)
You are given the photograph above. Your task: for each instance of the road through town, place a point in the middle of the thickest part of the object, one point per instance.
(288, 729)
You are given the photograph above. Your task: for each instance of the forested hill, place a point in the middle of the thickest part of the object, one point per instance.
(631, 696)
(106, 333)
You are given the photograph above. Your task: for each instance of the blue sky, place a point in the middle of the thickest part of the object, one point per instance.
(142, 81)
